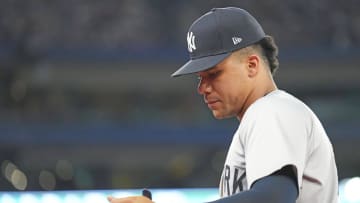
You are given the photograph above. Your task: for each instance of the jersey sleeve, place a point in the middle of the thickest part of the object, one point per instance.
(272, 140)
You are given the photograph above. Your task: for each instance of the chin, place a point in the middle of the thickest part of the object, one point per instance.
(219, 115)
(223, 114)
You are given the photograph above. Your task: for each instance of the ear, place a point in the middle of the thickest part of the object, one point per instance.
(253, 65)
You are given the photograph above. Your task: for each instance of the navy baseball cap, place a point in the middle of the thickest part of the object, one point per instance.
(216, 34)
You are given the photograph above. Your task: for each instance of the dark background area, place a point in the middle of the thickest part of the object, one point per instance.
(87, 101)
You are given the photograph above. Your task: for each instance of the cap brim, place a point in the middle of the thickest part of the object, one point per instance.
(200, 64)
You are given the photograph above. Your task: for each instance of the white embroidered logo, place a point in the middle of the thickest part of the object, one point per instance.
(236, 40)
(191, 42)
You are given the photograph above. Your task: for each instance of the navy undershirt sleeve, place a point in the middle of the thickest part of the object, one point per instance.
(276, 188)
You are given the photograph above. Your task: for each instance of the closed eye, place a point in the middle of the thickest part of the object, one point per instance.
(214, 74)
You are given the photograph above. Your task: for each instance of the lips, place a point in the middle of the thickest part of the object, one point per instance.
(211, 103)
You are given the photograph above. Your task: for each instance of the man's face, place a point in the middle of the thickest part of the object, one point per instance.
(226, 87)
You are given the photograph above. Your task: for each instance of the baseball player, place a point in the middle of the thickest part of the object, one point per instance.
(280, 151)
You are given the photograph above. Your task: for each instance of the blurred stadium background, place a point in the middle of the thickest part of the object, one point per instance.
(87, 102)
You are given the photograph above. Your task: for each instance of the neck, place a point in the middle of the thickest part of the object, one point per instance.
(255, 94)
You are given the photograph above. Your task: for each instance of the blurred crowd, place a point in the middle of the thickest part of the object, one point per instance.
(35, 31)
(43, 25)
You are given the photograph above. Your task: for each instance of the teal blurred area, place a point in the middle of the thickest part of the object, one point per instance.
(347, 194)
(87, 101)
(178, 195)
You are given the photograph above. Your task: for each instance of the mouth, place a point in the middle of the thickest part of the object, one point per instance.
(212, 104)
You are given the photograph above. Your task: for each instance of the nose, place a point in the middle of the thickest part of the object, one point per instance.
(203, 87)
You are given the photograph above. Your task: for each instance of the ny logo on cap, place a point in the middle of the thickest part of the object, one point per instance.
(191, 41)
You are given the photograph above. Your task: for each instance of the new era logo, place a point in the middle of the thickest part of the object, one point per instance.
(191, 41)
(236, 40)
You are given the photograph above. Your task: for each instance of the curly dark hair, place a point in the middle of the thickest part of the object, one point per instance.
(269, 51)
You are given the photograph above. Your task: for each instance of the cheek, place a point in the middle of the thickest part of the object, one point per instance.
(230, 89)
(228, 93)
(235, 94)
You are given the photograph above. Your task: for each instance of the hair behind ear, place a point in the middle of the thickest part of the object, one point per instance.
(270, 52)
(267, 49)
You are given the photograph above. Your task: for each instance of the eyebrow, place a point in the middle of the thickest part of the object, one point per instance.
(215, 69)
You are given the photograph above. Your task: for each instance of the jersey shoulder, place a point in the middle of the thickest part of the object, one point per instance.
(279, 103)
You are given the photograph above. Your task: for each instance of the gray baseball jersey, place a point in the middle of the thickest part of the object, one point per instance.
(279, 130)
